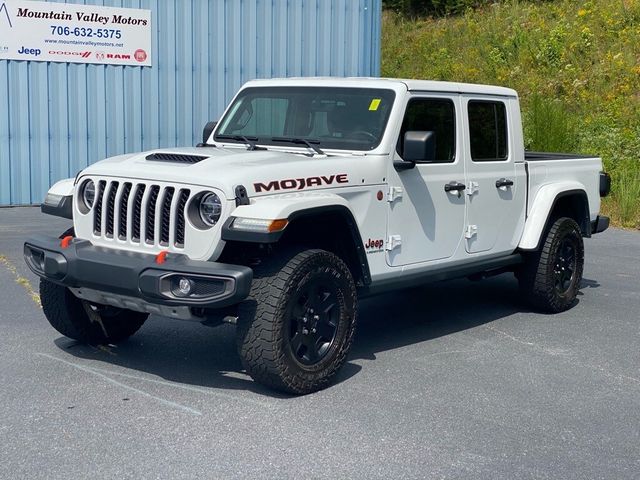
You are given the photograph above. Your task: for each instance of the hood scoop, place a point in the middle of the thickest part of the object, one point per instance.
(175, 157)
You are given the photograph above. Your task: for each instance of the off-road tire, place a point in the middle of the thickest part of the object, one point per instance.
(79, 320)
(539, 276)
(266, 320)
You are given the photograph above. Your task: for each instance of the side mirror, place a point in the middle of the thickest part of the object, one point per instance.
(206, 133)
(419, 147)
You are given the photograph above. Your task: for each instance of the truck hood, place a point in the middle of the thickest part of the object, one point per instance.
(261, 172)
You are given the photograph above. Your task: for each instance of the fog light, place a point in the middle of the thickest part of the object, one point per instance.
(185, 286)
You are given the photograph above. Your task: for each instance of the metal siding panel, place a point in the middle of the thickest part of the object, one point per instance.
(323, 38)
(150, 88)
(279, 40)
(184, 75)
(309, 41)
(294, 39)
(249, 45)
(19, 139)
(201, 89)
(376, 27)
(56, 118)
(132, 99)
(167, 76)
(58, 122)
(96, 113)
(263, 35)
(77, 111)
(218, 49)
(5, 137)
(233, 47)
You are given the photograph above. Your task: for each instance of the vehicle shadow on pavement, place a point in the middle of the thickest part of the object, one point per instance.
(435, 310)
(191, 354)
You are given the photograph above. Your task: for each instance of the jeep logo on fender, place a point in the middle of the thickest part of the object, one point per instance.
(373, 246)
(300, 183)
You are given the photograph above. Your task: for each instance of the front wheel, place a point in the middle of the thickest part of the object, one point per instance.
(85, 322)
(550, 278)
(296, 327)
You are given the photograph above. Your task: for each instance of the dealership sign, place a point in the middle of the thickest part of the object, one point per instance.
(65, 32)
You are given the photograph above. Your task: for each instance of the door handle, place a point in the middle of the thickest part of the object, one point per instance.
(504, 182)
(454, 187)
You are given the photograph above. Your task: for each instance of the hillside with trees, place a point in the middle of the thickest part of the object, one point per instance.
(575, 65)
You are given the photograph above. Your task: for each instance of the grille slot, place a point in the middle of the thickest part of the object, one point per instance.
(175, 158)
(111, 201)
(137, 210)
(182, 203)
(150, 233)
(97, 211)
(140, 213)
(124, 206)
(166, 216)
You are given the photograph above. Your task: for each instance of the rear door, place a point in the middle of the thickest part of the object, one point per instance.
(495, 186)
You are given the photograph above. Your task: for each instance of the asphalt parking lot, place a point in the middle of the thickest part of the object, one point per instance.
(452, 380)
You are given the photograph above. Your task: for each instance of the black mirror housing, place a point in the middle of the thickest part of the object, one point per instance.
(419, 146)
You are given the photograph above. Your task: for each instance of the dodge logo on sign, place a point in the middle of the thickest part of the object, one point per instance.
(70, 54)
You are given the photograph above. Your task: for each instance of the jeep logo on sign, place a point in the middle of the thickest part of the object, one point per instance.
(30, 51)
(300, 183)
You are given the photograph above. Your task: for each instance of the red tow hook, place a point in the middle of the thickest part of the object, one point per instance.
(161, 257)
(66, 241)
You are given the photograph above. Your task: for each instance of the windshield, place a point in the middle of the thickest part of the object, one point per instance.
(326, 117)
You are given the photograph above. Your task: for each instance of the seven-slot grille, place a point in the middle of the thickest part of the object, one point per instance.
(140, 213)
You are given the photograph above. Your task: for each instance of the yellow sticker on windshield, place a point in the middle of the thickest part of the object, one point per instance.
(375, 103)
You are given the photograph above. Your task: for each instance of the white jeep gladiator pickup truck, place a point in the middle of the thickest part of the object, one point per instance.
(308, 194)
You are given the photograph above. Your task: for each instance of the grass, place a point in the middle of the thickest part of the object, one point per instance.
(575, 64)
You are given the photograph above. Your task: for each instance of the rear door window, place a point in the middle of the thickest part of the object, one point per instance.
(488, 131)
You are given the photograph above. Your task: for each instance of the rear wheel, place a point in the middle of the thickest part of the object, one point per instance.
(86, 322)
(296, 327)
(550, 278)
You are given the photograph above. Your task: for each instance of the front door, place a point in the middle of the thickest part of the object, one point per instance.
(426, 221)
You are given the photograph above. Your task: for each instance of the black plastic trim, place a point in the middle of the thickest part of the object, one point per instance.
(242, 197)
(605, 184)
(600, 224)
(544, 156)
(229, 234)
(584, 223)
(448, 272)
(64, 208)
(132, 274)
(175, 157)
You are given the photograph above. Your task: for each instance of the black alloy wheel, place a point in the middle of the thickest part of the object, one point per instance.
(565, 266)
(313, 321)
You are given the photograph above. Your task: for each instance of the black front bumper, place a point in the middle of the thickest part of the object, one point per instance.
(84, 265)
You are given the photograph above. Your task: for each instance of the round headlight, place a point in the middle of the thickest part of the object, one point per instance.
(210, 209)
(88, 193)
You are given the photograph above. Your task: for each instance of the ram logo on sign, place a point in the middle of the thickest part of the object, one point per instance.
(65, 32)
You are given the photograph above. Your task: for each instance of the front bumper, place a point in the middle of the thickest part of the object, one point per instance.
(137, 275)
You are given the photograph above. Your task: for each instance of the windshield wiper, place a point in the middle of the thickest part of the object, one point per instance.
(309, 142)
(250, 141)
